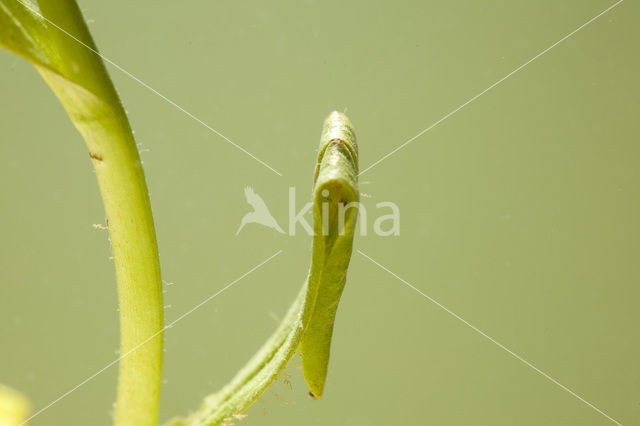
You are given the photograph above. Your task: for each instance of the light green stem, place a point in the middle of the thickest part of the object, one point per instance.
(308, 325)
(57, 40)
(124, 193)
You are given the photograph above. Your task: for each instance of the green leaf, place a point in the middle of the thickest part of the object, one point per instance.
(336, 200)
(23, 32)
(308, 326)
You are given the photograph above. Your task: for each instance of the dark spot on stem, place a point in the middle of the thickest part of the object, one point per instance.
(95, 156)
(312, 395)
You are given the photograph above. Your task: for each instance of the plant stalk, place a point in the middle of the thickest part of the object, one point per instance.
(113, 151)
(55, 38)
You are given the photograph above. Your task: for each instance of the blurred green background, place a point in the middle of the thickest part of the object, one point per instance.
(519, 213)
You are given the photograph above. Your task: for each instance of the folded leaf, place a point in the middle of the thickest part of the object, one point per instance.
(308, 325)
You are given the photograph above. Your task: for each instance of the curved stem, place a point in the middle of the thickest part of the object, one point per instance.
(133, 242)
(56, 40)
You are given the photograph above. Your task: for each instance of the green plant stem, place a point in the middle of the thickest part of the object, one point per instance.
(125, 196)
(61, 48)
(307, 327)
